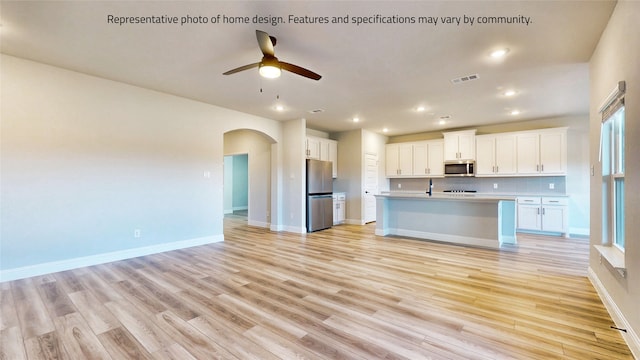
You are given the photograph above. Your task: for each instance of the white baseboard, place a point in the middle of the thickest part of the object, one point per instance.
(579, 231)
(631, 337)
(236, 208)
(354, 222)
(259, 224)
(62, 265)
(455, 239)
(228, 211)
(274, 227)
(294, 229)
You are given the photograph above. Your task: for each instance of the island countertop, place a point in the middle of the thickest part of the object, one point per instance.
(446, 196)
(485, 220)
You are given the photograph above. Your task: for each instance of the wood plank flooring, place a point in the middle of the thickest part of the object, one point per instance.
(343, 293)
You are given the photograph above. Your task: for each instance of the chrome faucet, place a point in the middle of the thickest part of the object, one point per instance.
(430, 188)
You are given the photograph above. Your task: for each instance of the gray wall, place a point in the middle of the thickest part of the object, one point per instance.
(616, 58)
(350, 172)
(352, 147)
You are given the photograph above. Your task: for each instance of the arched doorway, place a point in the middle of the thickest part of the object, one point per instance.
(255, 147)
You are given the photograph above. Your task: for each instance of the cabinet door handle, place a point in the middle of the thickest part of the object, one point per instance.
(538, 211)
(542, 168)
(542, 211)
(497, 169)
(553, 201)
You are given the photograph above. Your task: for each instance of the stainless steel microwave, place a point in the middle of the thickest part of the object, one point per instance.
(459, 168)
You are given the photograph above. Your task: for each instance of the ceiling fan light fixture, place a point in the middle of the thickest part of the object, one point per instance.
(499, 53)
(270, 71)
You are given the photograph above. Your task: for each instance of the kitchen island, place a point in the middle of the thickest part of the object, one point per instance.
(468, 219)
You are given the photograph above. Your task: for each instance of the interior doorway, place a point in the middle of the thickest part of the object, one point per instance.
(236, 185)
(370, 187)
(248, 176)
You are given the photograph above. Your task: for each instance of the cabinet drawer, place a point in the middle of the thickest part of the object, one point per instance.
(533, 200)
(555, 201)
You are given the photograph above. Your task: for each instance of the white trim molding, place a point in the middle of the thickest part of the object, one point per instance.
(354, 222)
(261, 224)
(63, 265)
(631, 337)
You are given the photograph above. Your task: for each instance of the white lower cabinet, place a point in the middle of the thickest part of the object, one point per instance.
(339, 207)
(548, 214)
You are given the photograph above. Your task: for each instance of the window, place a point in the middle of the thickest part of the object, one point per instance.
(612, 157)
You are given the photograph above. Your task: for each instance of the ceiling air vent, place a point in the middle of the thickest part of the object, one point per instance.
(316, 111)
(465, 78)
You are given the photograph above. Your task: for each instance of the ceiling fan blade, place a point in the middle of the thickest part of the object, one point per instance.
(299, 70)
(264, 41)
(241, 68)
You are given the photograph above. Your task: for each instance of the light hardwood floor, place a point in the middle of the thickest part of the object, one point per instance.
(343, 293)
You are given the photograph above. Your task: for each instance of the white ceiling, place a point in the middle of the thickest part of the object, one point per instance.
(378, 72)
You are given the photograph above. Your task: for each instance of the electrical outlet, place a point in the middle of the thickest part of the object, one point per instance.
(399, 186)
(552, 186)
(137, 233)
(495, 185)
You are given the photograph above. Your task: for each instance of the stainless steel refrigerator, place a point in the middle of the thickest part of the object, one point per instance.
(319, 195)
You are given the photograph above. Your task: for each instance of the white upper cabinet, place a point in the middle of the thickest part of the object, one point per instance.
(542, 152)
(496, 155)
(460, 145)
(428, 158)
(313, 148)
(553, 152)
(399, 160)
(323, 149)
(522, 153)
(333, 156)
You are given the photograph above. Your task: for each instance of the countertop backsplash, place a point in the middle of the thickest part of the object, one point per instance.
(505, 185)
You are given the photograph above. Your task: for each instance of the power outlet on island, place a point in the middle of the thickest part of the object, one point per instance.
(552, 186)
(399, 186)
(495, 185)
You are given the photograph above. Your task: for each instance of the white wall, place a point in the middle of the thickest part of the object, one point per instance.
(616, 58)
(85, 161)
(228, 185)
(294, 179)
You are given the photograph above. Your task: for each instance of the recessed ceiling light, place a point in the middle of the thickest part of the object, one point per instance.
(509, 93)
(515, 112)
(385, 130)
(279, 107)
(496, 54)
(356, 119)
(442, 122)
(420, 109)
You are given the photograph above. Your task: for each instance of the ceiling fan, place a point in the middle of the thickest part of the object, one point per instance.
(270, 66)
